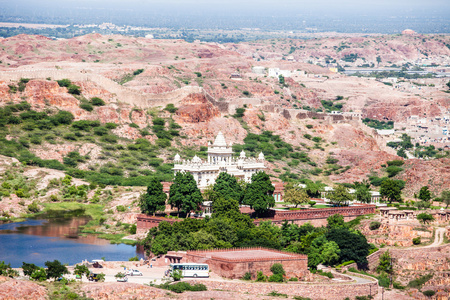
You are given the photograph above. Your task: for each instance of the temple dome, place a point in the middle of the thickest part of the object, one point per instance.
(261, 156)
(220, 140)
(177, 158)
(196, 159)
(242, 155)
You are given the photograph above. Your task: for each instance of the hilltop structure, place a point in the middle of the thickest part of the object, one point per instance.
(220, 159)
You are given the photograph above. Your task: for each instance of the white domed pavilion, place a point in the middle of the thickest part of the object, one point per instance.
(220, 159)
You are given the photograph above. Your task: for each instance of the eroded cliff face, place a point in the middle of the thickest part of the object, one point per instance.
(195, 108)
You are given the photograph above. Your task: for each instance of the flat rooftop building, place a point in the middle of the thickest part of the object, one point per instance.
(234, 263)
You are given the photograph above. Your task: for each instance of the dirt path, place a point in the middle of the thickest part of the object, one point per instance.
(438, 238)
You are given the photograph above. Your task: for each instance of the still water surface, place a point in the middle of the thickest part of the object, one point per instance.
(37, 241)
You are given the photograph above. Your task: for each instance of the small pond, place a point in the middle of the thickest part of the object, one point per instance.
(39, 240)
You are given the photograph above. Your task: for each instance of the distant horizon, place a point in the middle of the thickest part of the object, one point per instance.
(349, 16)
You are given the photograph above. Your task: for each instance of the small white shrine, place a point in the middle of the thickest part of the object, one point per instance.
(220, 159)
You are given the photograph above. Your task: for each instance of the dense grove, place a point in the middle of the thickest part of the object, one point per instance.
(228, 227)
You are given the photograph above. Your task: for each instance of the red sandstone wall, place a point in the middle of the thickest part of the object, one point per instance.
(313, 291)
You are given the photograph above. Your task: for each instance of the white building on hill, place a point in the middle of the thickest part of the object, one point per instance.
(220, 159)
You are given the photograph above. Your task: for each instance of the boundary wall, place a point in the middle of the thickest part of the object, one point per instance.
(329, 291)
(317, 216)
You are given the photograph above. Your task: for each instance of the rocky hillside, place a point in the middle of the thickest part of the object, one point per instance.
(137, 102)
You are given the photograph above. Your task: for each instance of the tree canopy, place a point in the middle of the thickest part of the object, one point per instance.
(424, 194)
(259, 193)
(184, 193)
(340, 196)
(445, 196)
(353, 245)
(295, 195)
(154, 199)
(362, 194)
(227, 187)
(391, 190)
(55, 269)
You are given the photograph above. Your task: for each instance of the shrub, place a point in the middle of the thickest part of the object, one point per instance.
(276, 278)
(397, 163)
(64, 82)
(277, 268)
(138, 71)
(276, 294)
(134, 258)
(416, 240)
(293, 279)
(239, 112)
(398, 286)
(111, 125)
(170, 108)
(97, 101)
(383, 280)
(180, 287)
(134, 125)
(417, 283)
(429, 293)
(132, 229)
(260, 276)
(33, 207)
(176, 275)
(74, 89)
(120, 208)
(303, 298)
(63, 117)
(247, 276)
(86, 106)
(374, 225)
(309, 126)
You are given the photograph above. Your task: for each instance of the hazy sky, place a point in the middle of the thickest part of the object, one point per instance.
(278, 14)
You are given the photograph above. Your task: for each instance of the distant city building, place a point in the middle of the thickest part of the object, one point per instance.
(259, 70)
(276, 72)
(220, 159)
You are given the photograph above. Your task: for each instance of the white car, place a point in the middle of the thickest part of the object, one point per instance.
(134, 273)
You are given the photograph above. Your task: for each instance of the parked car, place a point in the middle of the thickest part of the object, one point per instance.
(123, 279)
(93, 277)
(134, 273)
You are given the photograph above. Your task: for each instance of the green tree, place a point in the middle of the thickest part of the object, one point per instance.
(330, 253)
(424, 194)
(28, 269)
(55, 269)
(313, 189)
(295, 195)
(227, 187)
(362, 194)
(6, 270)
(225, 207)
(391, 190)
(353, 245)
(340, 196)
(81, 270)
(323, 251)
(154, 199)
(335, 221)
(184, 193)
(259, 193)
(39, 274)
(425, 218)
(385, 263)
(445, 196)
